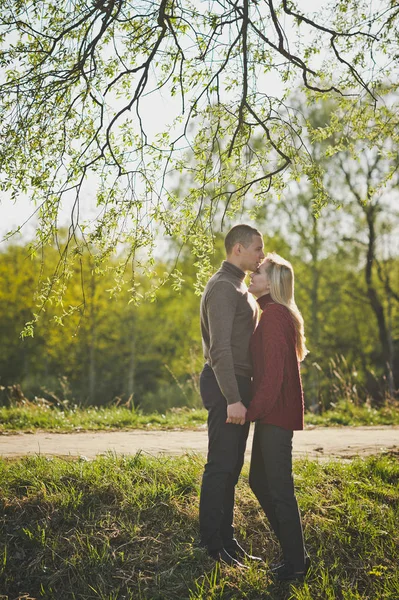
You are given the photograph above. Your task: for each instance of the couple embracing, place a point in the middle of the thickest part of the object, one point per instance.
(252, 374)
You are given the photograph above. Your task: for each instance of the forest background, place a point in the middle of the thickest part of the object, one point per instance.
(97, 348)
(176, 121)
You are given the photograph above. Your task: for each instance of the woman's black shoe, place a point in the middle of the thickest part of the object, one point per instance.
(285, 572)
(278, 565)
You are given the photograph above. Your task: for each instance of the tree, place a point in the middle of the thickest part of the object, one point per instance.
(363, 182)
(366, 186)
(361, 176)
(106, 348)
(78, 75)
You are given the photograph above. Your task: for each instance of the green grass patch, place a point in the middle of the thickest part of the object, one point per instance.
(349, 413)
(34, 417)
(126, 528)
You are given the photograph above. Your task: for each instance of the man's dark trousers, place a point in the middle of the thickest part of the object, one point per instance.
(226, 448)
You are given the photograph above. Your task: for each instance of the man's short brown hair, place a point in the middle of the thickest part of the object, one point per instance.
(240, 234)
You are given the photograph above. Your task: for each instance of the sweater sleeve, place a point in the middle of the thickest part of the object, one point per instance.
(271, 368)
(222, 306)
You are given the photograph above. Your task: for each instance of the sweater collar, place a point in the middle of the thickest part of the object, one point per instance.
(232, 269)
(263, 301)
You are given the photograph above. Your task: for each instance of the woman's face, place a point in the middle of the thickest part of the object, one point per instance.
(260, 283)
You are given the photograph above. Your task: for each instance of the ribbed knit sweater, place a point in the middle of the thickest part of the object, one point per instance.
(228, 319)
(277, 387)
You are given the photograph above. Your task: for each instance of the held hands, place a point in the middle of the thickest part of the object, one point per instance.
(236, 413)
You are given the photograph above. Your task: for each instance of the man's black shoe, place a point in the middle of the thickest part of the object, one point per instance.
(237, 552)
(223, 556)
(285, 572)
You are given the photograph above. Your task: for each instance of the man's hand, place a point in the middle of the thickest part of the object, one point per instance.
(236, 413)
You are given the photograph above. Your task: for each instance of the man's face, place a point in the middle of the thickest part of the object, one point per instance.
(252, 256)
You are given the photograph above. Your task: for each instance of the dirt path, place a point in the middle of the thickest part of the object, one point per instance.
(320, 442)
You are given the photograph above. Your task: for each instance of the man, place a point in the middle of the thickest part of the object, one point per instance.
(228, 319)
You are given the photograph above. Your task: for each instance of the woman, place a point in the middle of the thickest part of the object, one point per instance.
(277, 347)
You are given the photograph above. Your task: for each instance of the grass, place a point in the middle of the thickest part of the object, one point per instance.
(348, 413)
(126, 529)
(35, 416)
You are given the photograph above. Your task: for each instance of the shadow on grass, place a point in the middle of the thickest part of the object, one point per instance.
(126, 528)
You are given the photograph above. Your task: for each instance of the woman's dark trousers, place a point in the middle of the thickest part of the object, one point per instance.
(270, 478)
(226, 448)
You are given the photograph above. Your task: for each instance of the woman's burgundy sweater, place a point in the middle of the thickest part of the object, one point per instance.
(277, 387)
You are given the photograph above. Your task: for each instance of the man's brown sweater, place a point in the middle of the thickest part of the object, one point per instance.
(228, 319)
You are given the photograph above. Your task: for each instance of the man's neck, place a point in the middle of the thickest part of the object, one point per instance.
(234, 262)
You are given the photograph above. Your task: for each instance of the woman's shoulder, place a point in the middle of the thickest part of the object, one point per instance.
(276, 309)
(275, 316)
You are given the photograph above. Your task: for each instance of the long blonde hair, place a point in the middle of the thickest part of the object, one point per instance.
(281, 277)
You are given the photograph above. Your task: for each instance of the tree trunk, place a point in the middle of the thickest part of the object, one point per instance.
(131, 368)
(92, 347)
(376, 305)
(316, 401)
